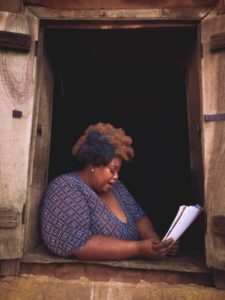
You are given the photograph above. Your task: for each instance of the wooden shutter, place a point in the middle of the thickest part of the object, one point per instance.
(213, 136)
(17, 86)
(39, 154)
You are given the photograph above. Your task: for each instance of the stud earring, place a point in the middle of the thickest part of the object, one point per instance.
(92, 170)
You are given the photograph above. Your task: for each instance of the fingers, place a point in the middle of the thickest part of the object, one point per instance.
(174, 248)
(161, 249)
(168, 242)
(164, 244)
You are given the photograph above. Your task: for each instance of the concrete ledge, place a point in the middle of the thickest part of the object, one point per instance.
(30, 287)
(95, 272)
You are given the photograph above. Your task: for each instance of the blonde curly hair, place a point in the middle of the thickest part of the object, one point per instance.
(102, 142)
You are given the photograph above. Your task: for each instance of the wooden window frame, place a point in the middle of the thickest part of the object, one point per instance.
(109, 19)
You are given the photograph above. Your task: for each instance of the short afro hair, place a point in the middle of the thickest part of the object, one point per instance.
(100, 143)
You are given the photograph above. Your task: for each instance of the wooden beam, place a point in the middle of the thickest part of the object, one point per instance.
(15, 41)
(118, 4)
(184, 14)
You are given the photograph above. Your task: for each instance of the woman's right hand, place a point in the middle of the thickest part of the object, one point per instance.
(156, 249)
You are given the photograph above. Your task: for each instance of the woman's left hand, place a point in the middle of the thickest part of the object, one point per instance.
(174, 248)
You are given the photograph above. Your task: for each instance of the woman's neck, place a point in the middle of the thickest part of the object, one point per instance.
(83, 174)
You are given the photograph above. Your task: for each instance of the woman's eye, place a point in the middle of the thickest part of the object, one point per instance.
(113, 171)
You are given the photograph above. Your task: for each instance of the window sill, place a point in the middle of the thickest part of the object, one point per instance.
(182, 263)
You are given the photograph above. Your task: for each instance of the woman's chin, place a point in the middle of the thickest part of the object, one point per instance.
(107, 188)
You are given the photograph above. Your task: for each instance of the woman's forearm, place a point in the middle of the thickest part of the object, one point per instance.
(146, 229)
(108, 248)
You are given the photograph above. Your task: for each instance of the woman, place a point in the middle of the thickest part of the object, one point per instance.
(89, 213)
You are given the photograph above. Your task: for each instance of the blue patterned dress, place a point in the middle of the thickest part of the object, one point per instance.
(71, 212)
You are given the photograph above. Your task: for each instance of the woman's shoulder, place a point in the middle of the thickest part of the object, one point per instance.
(65, 184)
(121, 188)
(119, 185)
(65, 179)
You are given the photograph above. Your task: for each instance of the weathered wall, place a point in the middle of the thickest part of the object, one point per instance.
(48, 288)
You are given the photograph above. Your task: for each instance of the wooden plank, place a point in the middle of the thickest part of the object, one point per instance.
(9, 217)
(213, 138)
(221, 7)
(40, 144)
(112, 4)
(219, 278)
(217, 42)
(15, 41)
(218, 223)
(17, 85)
(116, 24)
(11, 5)
(9, 267)
(193, 75)
(182, 263)
(121, 14)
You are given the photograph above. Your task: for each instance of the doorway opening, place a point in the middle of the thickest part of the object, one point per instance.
(134, 79)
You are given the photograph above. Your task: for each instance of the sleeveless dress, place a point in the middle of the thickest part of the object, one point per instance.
(71, 212)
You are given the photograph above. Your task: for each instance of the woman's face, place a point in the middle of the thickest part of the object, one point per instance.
(105, 176)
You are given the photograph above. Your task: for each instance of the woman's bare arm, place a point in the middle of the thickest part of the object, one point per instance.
(108, 248)
(146, 230)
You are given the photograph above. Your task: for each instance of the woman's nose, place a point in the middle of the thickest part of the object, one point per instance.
(116, 175)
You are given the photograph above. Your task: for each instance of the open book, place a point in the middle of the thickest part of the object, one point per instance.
(183, 219)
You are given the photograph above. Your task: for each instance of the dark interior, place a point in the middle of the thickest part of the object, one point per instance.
(134, 79)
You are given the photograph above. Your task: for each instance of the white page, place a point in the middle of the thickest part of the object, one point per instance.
(179, 213)
(188, 216)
